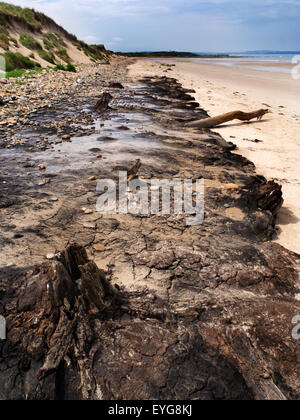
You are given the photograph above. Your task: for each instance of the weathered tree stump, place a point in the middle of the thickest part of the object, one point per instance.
(102, 104)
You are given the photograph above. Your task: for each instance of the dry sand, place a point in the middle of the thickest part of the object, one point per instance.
(222, 89)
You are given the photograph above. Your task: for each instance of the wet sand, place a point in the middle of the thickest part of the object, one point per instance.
(272, 144)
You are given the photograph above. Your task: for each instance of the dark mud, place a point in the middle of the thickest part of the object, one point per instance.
(200, 312)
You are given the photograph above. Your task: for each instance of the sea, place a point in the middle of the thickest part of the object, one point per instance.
(274, 62)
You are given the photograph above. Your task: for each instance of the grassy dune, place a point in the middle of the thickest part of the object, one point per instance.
(50, 46)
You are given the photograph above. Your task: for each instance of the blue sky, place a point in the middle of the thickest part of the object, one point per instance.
(186, 25)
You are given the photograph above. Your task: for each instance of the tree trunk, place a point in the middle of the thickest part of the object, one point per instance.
(230, 116)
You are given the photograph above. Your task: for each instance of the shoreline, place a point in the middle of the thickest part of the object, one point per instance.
(223, 89)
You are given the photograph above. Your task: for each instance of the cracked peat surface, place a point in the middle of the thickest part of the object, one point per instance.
(206, 310)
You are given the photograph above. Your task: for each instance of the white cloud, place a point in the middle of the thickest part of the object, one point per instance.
(178, 24)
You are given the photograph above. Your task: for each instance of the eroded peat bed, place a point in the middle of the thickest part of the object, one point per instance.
(165, 310)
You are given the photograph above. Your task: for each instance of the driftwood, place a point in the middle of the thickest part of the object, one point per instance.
(103, 103)
(230, 116)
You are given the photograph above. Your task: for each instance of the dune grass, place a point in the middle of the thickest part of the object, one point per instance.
(69, 67)
(63, 54)
(16, 61)
(26, 14)
(47, 56)
(29, 42)
(15, 73)
(23, 73)
(4, 41)
(53, 40)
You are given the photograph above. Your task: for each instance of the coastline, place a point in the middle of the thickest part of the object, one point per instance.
(222, 89)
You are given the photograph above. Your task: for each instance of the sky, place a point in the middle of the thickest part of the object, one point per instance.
(181, 25)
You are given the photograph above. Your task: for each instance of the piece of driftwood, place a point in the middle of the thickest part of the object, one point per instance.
(103, 103)
(230, 116)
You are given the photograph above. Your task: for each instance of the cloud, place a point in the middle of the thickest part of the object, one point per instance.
(199, 25)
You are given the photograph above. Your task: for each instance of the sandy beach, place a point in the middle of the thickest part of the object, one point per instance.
(272, 144)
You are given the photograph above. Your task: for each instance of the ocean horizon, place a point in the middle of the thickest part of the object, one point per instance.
(253, 60)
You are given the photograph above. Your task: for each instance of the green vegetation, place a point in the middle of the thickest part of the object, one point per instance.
(28, 15)
(53, 40)
(94, 52)
(60, 67)
(32, 44)
(15, 42)
(27, 74)
(15, 73)
(63, 54)
(14, 17)
(29, 42)
(4, 41)
(69, 67)
(18, 61)
(47, 56)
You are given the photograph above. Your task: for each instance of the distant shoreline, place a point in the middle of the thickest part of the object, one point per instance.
(173, 54)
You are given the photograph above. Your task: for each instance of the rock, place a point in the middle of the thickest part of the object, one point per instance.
(92, 178)
(50, 256)
(88, 211)
(231, 187)
(99, 248)
(10, 264)
(115, 85)
(99, 156)
(89, 225)
(42, 167)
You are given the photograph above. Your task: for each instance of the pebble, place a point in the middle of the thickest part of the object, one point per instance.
(42, 167)
(89, 225)
(99, 248)
(231, 187)
(54, 199)
(92, 178)
(10, 264)
(50, 256)
(88, 211)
